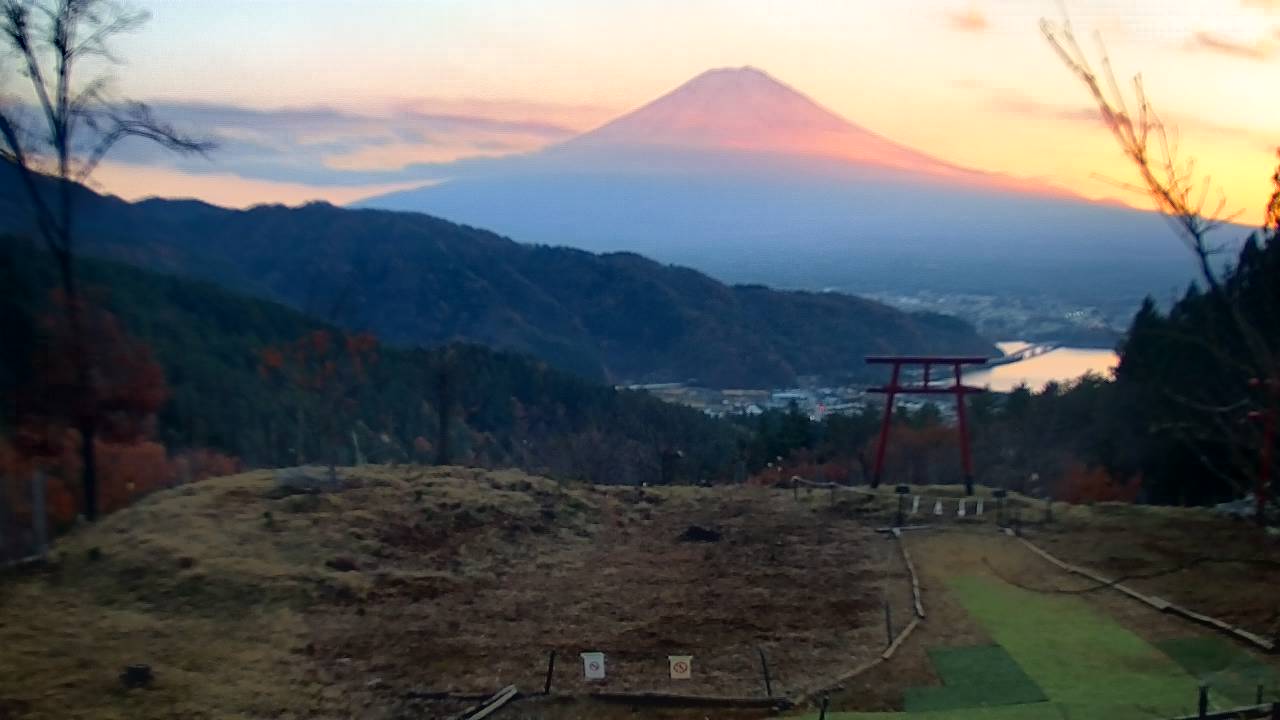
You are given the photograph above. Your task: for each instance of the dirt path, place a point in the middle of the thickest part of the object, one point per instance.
(803, 587)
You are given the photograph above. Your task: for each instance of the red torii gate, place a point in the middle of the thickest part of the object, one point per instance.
(959, 389)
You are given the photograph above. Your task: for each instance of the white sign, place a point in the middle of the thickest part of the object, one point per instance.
(593, 665)
(681, 667)
(915, 504)
(960, 512)
(937, 508)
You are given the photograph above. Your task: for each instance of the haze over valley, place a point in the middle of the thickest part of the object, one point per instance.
(743, 177)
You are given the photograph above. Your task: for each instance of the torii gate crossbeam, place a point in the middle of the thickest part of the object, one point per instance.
(894, 388)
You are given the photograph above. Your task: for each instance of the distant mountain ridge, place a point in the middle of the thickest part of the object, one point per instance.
(511, 409)
(416, 279)
(747, 109)
(738, 175)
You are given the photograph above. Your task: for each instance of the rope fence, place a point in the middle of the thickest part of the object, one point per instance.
(1006, 509)
(827, 686)
(1157, 603)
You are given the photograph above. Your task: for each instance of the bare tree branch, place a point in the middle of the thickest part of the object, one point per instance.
(137, 121)
(1172, 188)
(1183, 197)
(50, 37)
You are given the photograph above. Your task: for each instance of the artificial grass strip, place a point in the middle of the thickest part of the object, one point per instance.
(1233, 676)
(1037, 711)
(1087, 664)
(973, 677)
(1081, 659)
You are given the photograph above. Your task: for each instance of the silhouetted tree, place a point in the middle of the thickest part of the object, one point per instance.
(1233, 335)
(326, 370)
(64, 129)
(445, 385)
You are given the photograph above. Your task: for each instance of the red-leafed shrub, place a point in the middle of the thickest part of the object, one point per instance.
(801, 464)
(201, 463)
(126, 473)
(132, 471)
(1081, 484)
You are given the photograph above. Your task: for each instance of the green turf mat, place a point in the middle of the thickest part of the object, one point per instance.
(972, 677)
(1083, 660)
(1088, 665)
(1233, 675)
(1038, 711)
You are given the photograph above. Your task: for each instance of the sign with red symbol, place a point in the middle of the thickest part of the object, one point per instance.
(593, 665)
(681, 667)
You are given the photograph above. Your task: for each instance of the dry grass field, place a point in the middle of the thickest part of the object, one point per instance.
(409, 581)
(249, 602)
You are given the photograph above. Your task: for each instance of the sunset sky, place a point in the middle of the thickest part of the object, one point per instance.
(333, 99)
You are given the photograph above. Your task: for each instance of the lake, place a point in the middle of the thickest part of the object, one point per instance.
(1060, 365)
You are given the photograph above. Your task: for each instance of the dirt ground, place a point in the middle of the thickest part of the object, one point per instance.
(1222, 567)
(362, 602)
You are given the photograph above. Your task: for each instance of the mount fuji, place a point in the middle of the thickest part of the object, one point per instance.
(743, 177)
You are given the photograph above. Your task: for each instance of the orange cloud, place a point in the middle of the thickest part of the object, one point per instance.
(135, 182)
(1259, 50)
(970, 20)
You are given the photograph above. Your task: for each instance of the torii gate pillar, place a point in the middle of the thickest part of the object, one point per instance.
(894, 388)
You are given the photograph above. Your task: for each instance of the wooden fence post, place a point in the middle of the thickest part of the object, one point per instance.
(39, 516)
(901, 491)
(551, 668)
(5, 521)
(355, 444)
(764, 667)
(888, 623)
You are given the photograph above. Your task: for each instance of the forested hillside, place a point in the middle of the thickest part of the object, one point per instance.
(1147, 434)
(1182, 422)
(413, 279)
(215, 348)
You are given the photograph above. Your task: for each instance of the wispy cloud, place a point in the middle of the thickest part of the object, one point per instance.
(971, 20)
(1262, 49)
(324, 146)
(1016, 103)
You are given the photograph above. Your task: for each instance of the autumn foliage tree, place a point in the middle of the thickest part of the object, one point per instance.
(59, 121)
(325, 369)
(111, 385)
